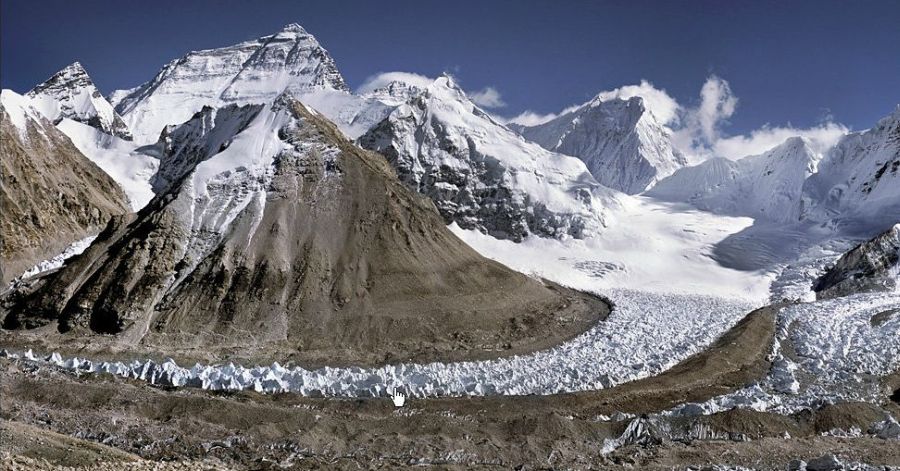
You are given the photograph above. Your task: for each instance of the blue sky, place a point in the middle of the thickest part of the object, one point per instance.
(794, 62)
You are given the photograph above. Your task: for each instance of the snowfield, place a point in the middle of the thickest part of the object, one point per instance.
(122, 160)
(654, 246)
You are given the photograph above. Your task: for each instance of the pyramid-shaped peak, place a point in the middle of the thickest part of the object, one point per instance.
(72, 75)
(254, 71)
(70, 93)
(74, 67)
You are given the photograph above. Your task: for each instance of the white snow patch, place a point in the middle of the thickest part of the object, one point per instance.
(119, 158)
(76, 248)
(653, 246)
(19, 110)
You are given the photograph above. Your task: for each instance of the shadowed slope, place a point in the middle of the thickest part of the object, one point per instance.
(50, 194)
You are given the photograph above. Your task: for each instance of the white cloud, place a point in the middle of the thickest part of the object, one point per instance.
(663, 106)
(822, 138)
(701, 125)
(717, 104)
(488, 97)
(530, 118)
(382, 79)
(701, 136)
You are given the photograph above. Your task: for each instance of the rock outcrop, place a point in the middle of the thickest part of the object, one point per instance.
(873, 265)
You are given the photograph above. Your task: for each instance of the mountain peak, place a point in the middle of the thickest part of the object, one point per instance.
(275, 178)
(483, 176)
(72, 75)
(794, 143)
(446, 81)
(619, 139)
(74, 68)
(70, 93)
(293, 28)
(251, 72)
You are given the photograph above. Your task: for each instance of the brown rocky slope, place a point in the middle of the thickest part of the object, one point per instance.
(50, 193)
(331, 260)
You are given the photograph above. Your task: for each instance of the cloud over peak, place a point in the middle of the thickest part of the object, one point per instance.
(487, 97)
(657, 100)
(382, 79)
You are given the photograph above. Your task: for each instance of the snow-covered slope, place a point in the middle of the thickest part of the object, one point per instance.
(621, 141)
(852, 189)
(857, 187)
(356, 114)
(130, 165)
(70, 93)
(766, 186)
(253, 71)
(483, 176)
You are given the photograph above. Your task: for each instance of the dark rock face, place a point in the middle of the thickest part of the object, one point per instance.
(50, 194)
(870, 266)
(326, 252)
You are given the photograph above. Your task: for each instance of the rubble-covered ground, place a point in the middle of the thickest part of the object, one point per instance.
(669, 379)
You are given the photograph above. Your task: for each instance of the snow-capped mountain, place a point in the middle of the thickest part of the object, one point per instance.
(857, 186)
(853, 188)
(253, 71)
(482, 175)
(767, 186)
(873, 265)
(276, 232)
(620, 140)
(50, 194)
(70, 93)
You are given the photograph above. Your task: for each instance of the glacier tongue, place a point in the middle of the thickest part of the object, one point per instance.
(253, 71)
(70, 93)
(482, 175)
(825, 352)
(646, 334)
